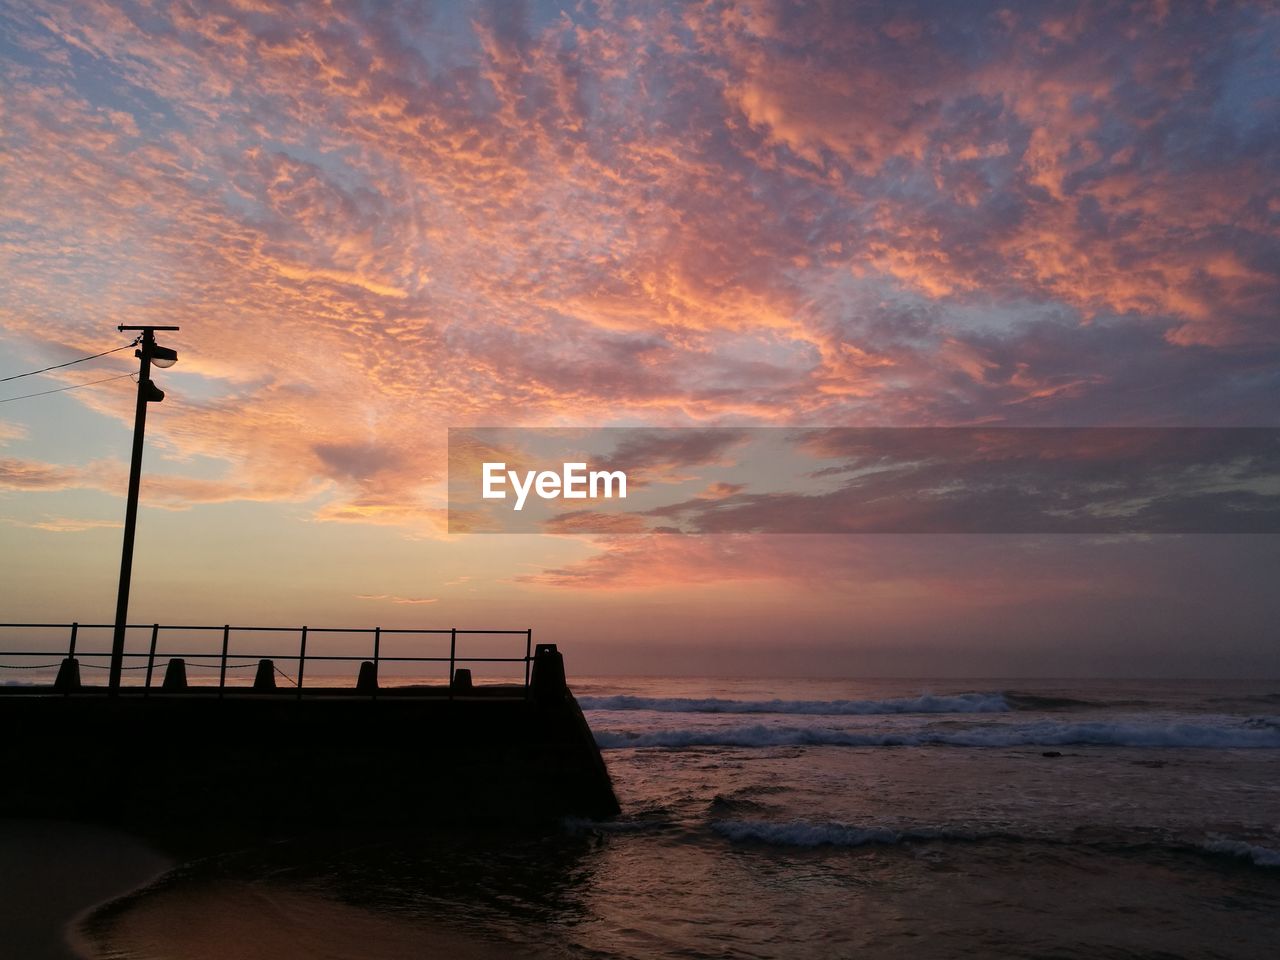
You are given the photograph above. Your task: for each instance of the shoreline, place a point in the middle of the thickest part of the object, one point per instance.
(200, 918)
(56, 873)
(75, 891)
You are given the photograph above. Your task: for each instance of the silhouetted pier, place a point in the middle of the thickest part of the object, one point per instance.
(294, 748)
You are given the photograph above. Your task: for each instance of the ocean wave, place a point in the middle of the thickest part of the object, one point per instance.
(1046, 734)
(580, 825)
(1263, 723)
(1259, 856)
(1033, 701)
(820, 833)
(721, 804)
(803, 833)
(926, 703)
(1248, 698)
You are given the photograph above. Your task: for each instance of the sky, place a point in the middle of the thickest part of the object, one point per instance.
(377, 221)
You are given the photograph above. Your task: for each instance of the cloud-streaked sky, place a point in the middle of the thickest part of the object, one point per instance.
(375, 221)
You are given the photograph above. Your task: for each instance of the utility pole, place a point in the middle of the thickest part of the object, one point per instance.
(148, 352)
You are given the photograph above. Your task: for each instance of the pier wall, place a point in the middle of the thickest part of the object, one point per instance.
(276, 761)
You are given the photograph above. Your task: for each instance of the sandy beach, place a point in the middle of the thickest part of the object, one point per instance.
(54, 872)
(196, 919)
(71, 891)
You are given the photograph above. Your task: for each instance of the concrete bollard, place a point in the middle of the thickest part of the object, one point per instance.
(462, 680)
(367, 681)
(175, 676)
(265, 679)
(547, 682)
(68, 680)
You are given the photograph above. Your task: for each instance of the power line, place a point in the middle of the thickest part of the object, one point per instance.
(56, 366)
(74, 386)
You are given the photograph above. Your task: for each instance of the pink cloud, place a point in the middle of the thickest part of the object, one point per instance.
(701, 215)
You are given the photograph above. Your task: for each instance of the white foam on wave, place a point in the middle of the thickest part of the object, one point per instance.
(1044, 733)
(926, 703)
(1259, 856)
(811, 833)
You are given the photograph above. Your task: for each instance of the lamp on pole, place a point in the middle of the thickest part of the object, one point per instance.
(148, 353)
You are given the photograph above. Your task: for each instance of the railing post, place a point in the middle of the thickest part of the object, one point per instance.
(302, 660)
(377, 644)
(222, 674)
(151, 658)
(453, 654)
(528, 653)
(69, 665)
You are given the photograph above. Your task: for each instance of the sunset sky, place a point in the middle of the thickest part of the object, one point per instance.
(377, 221)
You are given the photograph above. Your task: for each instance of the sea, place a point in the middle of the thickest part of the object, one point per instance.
(805, 819)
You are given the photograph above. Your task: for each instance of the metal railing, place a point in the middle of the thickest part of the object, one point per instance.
(302, 658)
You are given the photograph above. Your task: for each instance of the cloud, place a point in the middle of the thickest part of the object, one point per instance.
(390, 598)
(586, 521)
(12, 431)
(18, 474)
(65, 524)
(666, 456)
(377, 227)
(974, 571)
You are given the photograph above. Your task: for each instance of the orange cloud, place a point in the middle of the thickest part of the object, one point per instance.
(394, 599)
(708, 215)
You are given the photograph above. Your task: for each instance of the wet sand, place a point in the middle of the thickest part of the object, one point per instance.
(71, 891)
(221, 920)
(52, 872)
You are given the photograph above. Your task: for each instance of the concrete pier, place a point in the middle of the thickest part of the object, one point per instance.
(186, 757)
